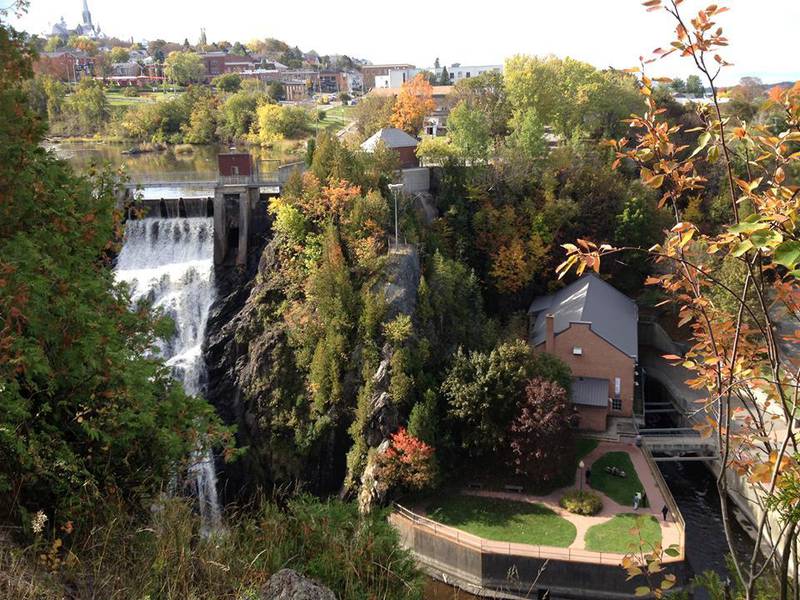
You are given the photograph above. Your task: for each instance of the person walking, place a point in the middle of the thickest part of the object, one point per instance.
(636, 500)
(665, 511)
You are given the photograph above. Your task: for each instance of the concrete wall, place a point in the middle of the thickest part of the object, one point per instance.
(486, 573)
(416, 180)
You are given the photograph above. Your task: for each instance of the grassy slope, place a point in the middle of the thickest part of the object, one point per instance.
(504, 520)
(619, 489)
(615, 534)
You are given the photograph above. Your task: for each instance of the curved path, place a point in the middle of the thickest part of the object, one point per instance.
(670, 533)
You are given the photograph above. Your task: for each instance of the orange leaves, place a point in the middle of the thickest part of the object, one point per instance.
(414, 103)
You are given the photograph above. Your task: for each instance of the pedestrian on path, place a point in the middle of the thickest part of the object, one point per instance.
(637, 498)
(588, 477)
(665, 512)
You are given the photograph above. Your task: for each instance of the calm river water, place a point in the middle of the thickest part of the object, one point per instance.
(199, 162)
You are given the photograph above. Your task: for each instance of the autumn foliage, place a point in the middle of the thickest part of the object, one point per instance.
(541, 435)
(414, 103)
(408, 463)
(748, 382)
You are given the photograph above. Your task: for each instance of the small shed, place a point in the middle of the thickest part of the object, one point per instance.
(397, 140)
(235, 164)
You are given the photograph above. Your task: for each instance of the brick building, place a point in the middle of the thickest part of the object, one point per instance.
(65, 65)
(593, 328)
(397, 140)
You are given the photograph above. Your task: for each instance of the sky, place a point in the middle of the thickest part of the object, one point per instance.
(605, 33)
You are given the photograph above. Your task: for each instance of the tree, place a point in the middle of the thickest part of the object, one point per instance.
(408, 463)
(541, 435)
(527, 136)
(54, 43)
(487, 94)
(238, 113)
(436, 151)
(119, 54)
(184, 68)
(748, 383)
(414, 103)
(373, 113)
(228, 82)
(678, 85)
(483, 392)
(90, 418)
(89, 105)
(276, 90)
(694, 86)
(275, 122)
(444, 77)
(469, 130)
(423, 422)
(202, 125)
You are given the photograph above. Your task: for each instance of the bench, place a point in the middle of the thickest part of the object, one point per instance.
(514, 488)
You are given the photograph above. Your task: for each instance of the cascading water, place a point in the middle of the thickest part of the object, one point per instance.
(169, 263)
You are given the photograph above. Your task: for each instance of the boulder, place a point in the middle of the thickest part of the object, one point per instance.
(287, 584)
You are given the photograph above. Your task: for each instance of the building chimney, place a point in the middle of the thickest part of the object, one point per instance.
(550, 337)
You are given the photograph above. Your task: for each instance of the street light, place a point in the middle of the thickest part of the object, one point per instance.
(395, 188)
(582, 466)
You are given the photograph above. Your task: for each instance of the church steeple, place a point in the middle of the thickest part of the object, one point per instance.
(87, 16)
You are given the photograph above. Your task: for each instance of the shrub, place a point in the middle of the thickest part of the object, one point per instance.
(581, 503)
(130, 92)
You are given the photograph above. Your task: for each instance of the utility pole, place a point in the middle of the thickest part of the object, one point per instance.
(395, 188)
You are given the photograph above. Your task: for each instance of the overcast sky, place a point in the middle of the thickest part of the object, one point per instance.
(606, 33)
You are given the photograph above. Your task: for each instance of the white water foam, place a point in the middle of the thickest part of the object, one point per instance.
(170, 264)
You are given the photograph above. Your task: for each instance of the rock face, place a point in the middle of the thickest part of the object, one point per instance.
(254, 384)
(400, 293)
(287, 584)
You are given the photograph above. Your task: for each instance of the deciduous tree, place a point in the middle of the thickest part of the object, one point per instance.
(413, 104)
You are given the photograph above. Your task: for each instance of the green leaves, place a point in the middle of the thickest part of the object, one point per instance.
(787, 254)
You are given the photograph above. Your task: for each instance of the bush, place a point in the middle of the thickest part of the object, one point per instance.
(130, 92)
(344, 98)
(581, 503)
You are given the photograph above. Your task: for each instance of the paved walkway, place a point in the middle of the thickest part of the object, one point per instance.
(670, 533)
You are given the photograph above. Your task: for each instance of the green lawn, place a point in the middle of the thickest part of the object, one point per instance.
(504, 520)
(335, 119)
(619, 489)
(615, 534)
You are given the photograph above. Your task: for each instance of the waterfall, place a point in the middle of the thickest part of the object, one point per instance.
(169, 263)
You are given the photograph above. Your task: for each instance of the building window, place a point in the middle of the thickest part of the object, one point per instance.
(468, 74)
(452, 76)
(616, 404)
(577, 351)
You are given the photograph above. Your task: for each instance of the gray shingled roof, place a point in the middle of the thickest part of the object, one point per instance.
(590, 391)
(612, 315)
(391, 138)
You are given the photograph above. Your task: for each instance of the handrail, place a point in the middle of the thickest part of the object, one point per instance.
(475, 542)
(667, 494)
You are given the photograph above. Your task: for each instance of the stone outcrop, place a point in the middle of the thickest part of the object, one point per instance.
(287, 584)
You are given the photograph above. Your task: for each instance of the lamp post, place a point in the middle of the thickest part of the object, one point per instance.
(582, 466)
(395, 188)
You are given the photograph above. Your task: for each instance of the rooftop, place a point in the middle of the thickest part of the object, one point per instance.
(391, 138)
(610, 313)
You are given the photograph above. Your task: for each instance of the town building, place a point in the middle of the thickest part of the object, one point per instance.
(592, 327)
(395, 78)
(65, 65)
(456, 72)
(86, 28)
(370, 72)
(404, 145)
(220, 62)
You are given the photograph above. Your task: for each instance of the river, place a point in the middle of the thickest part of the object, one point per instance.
(180, 162)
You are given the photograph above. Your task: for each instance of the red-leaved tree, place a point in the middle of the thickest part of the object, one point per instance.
(409, 463)
(541, 434)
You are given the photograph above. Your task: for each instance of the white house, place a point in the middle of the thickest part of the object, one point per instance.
(458, 72)
(395, 78)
